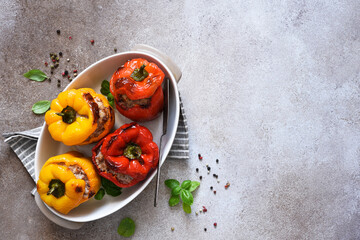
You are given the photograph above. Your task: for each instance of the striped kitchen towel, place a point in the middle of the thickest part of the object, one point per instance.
(24, 144)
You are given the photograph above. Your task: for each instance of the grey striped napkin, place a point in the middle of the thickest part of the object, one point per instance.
(24, 144)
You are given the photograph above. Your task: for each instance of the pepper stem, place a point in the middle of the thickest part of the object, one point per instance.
(68, 115)
(132, 151)
(56, 188)
(139, 74)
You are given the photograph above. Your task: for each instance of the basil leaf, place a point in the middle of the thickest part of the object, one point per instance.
(41, 107)
(35, 75)
(172, 183)
(194, 185)
(105, 87)
(110, 98)
(176, 191)
(100, 194)
(187, 197)
(186, 208)
(126, 227)
(110, 187)
(174, 200)
(185, 184)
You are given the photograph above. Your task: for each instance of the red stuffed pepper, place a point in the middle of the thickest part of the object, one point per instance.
(126, 156)
(137, 90)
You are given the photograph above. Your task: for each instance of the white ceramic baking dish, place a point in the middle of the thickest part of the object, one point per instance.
(92, 77)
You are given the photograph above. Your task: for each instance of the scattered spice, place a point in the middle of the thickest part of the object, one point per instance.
(46, 64)
(53, 60)
(75, 74)
(56, 65)
(204, 209)
(200, 157)
(52, 66)
(214, 192)
(172, 229)
(63, 74)
(75, 71)
(197, 213)
(70, 38)
(115, 49)
(49, 79)
(211, 188)
(217, 160)
(215, 224)
(197, 170)
(68, 60)
(227, 185)
(205, 229)
(70, 79)
(66, 72)
(92, 41)
(208, 168)
(58, 31)
(60, 54)
(200, 177)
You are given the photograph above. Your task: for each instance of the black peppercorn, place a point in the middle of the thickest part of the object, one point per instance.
(205, 229)
(197, 170)
(217, 160)
(58, 31)
(66, 72)
(60, 54)
(200, 177)
(211, 188)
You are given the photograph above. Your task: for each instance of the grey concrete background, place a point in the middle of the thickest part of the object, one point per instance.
(271, 89)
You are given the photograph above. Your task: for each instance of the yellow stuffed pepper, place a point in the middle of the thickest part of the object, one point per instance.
(79, 117)
(67, 180)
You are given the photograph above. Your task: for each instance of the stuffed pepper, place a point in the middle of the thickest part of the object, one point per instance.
(126, 156)
(137, 90)
(79, 117)
(67, 180)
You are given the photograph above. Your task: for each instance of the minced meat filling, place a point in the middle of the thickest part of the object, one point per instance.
(100, 162)
(103, 117)
(79, 174)
(126, 102)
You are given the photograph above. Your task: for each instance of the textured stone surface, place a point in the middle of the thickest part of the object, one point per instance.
(270, 89)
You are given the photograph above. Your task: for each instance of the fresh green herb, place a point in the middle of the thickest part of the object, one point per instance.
(35, 75)
(126, 227)
(100, 194)
(186, 184)
(182, 191)
(105, 90)
(194, 185)
(186, 208)
(172, 183)
(176, 191)
(174, 200)
(41, 107)
(105, 87)
(186, 197)
(110, 98)
(110, 188)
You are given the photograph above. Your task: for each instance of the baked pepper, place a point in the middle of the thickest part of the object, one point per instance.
(126, 156)
(67, 180)
(137, 90)
(79, 117)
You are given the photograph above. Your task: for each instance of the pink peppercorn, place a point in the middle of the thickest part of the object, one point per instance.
(75, 71)
(92, 41)
(70, 38)
(46, 64)
(215, 224)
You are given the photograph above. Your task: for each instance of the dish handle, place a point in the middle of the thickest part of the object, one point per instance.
(59, 221)
(163, 57)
